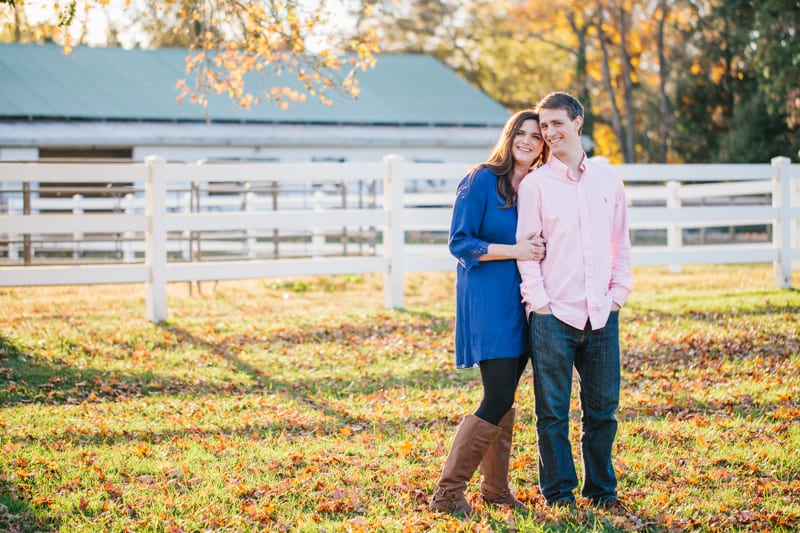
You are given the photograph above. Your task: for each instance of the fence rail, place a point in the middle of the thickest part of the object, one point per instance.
(156, 222)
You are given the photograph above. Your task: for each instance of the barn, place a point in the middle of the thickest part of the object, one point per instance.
(112, 103)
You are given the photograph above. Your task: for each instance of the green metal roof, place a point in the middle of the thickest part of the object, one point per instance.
(40, 82)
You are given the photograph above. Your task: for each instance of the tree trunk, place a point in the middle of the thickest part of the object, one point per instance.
(616, 120)
(629, 148)
(582, 78)
(663, 74)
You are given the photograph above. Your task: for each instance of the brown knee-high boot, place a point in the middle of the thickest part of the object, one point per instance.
(473, 437)
(494, 467)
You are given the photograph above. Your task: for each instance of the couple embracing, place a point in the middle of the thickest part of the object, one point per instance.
(541, 237)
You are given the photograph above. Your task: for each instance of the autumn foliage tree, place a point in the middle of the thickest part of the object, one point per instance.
(661, 80)
(228, 42)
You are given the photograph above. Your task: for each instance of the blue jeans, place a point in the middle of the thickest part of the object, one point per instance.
(557, 348)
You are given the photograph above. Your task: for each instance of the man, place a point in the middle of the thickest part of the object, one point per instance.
(572, 299)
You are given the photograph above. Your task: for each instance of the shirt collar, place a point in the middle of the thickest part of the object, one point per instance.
(561, 169)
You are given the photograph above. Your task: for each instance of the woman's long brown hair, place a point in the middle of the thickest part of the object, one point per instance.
(501, 160)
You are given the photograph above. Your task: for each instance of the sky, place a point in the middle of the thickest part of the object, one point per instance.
(38, 11)
(96, 20)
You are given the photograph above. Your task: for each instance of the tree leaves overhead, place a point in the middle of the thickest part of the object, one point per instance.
(228, 39)
(777, 56)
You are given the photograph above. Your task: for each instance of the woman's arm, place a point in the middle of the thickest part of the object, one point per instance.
(531, 248)
(468, 213)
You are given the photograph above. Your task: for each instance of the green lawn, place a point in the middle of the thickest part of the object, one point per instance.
(302, 405)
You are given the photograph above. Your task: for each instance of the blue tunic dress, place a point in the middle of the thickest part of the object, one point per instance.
(490, 316)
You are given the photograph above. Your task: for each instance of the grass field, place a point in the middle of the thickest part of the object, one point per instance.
(302, 405)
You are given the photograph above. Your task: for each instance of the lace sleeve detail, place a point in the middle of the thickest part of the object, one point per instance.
(472, 258)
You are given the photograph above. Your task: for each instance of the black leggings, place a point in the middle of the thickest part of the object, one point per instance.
(500, 378)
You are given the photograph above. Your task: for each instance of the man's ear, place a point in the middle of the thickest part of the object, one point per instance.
(579, 123)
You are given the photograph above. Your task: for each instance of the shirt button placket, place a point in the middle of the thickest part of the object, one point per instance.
(586, 242)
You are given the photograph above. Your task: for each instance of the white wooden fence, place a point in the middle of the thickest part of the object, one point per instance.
(658, 197)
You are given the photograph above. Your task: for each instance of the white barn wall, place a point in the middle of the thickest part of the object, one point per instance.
(19, 153)
(190, 142)
(303, 154)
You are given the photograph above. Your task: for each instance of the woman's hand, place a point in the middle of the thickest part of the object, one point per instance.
(531, 248)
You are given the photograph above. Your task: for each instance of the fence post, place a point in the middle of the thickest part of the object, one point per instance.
(250, 234)
(782, 228)
(77, 237)
(674, 230)
(795, 203)
(393, 233)
(156, 238)
(13, 247)
(185, 204)
(27, 245)
(17, 154)
(317, 234)
(128, 253)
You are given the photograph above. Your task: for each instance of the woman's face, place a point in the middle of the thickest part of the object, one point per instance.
(527, 144)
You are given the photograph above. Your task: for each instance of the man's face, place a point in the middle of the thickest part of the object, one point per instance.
(559, 131)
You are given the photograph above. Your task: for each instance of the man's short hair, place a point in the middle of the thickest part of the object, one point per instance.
(561, 100)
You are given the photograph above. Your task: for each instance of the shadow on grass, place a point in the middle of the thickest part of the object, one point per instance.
(701, 338)
(713, 316)
(25, 378)
(17, 514)
(53, 383)
(689, 408)
(13, 362)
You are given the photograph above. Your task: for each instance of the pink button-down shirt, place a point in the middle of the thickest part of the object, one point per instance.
(584, 221)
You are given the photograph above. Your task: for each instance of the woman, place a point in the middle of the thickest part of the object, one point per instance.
(491, 329)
